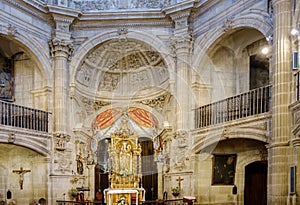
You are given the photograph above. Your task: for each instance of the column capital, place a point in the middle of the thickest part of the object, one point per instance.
(182, 44)
(59, 47)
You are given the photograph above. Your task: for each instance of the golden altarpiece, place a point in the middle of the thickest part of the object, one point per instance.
(125, 168)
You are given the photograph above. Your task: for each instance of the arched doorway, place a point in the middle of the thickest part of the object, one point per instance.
(256, 183)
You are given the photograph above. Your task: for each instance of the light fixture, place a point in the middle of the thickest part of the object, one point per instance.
(265, 50)
(294, 32)
(269, 39)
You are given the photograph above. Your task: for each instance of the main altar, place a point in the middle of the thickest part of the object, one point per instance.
(125, 168)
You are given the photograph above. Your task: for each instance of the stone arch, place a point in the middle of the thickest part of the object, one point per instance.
(211, 138)
(257, 21)
(148, 39)
(33, 47)
(41, 145)
(240, 170)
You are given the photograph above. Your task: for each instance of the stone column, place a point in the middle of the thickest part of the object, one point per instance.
(160, 188)
(182, 43)
(279, 149)
(61, 51)
(61, 48)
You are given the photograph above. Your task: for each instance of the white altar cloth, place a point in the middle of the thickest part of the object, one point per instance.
(123, 191)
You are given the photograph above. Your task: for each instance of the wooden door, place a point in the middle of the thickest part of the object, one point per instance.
(256, 183)
(101, 181)
(149, 170)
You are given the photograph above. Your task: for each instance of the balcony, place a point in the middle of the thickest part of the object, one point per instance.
(251, 103)
(23, 117)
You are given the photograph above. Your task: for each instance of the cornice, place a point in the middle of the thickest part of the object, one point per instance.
(178, 8)
(118, 24)
(37, 5)
(66, 13)
(119, 15)
(30, 8)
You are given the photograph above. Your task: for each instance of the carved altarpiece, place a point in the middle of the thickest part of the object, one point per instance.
(125, 168)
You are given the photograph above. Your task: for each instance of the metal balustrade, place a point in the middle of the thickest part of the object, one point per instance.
(254, 102)
(23, 117)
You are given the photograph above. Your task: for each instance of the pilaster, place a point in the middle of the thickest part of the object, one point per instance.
(61, 48)
(182, 42)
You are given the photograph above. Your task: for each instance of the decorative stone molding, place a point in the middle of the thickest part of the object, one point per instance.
(228, 23)
(61, 47)
(184, 41)
(62, 155)
(157, 103)
(61, 141)
(122, 34)
(96, 5)
(63, 162)
(11, 31)
(99, 104)
(254, 127)
(179, 158)
(295, 110)
(11, 138)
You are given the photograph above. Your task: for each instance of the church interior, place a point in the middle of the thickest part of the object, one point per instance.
(149, 102)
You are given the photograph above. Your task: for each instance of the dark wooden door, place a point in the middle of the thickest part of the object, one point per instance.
(149, 170)
(256, 183)
(101, 181)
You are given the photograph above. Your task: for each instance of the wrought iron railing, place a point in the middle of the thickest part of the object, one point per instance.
(243, 105)
(297, 86)
(23, 117)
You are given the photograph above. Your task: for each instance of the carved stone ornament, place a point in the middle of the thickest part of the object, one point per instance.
(11, 30)
(11, 138)
(185, 41)
(100, 104)
(61, 141)
(122, 31)
(61, 47)
(228, 23)
(62, 162)
(156, 103)
(122, 34)
(94, 5)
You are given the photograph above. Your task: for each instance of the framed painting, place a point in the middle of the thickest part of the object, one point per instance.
(6, 79)
(223, 169)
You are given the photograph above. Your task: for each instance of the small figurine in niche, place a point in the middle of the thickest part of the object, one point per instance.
(80, 161)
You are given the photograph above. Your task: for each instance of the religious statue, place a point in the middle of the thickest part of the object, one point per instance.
(80, 161)
(21, 173)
